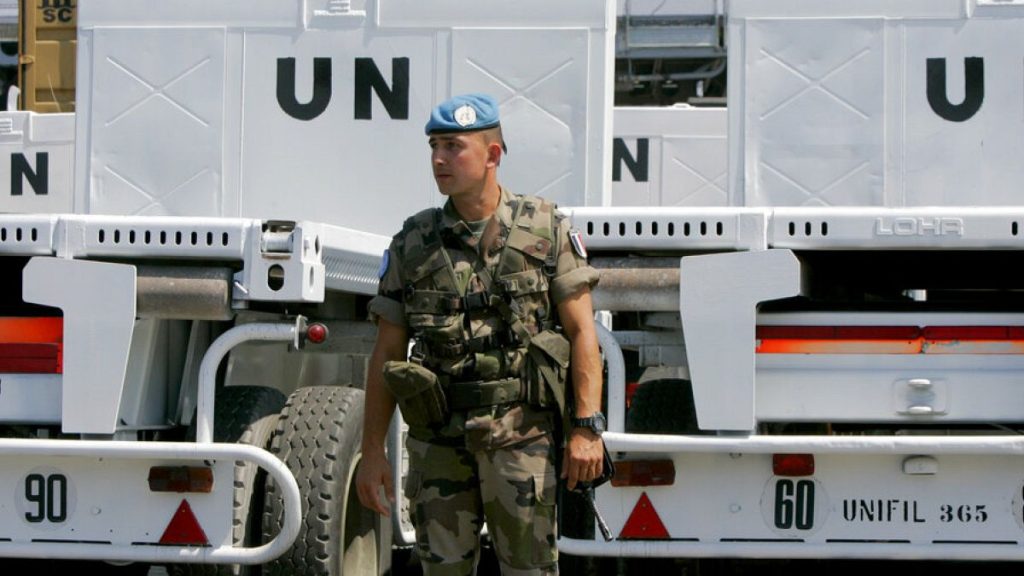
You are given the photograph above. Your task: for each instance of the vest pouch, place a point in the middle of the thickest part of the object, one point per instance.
(547, 367)
(418, 393)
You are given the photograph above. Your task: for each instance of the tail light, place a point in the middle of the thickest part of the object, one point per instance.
(793, 464)
(644, 473)
(31, 345)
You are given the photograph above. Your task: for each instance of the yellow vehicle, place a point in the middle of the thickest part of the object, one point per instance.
(46, 63)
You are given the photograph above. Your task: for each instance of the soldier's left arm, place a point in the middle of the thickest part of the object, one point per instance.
(584, 451)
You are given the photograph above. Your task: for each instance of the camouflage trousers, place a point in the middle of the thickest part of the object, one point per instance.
(452, 490)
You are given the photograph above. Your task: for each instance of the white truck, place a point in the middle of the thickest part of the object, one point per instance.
(845, 313)
(837, 314)
(190, 254)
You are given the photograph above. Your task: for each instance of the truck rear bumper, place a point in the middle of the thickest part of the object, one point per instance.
(90, 500)
(893, 497)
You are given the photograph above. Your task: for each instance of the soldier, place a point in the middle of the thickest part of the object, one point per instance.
(494, 289)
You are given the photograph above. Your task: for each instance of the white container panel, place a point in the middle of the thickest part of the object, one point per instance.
(248, 13)
(975, 161)
(543, 123)
(156, 122)
(490, 13)
(666, 7)
(741, 9)
(813, 114)
(315, 110)
(674, 156)
(368, 174)
(876, 104)
(36, 162)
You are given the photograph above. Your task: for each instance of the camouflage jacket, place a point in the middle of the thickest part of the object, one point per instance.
(417, 282)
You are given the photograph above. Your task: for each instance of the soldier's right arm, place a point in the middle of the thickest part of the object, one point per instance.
(388, 312)
(374, 470)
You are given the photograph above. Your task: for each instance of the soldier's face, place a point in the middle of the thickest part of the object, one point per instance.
(459, 162)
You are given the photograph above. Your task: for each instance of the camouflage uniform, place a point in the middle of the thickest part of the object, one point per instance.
(493, 461)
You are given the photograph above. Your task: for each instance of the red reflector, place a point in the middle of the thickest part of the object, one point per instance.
(878, 332)
(890, 340)
(838, 332)
(967, 333)
(31, 345)
(644, 523)
(30, 358)
(316, 333)
(184, 529)
(644, 473)
(796, 332)
(631, 388)
(793, 464)
(181, 479)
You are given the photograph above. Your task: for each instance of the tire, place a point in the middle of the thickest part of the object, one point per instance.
(244, 415)
(319, 438)
(663, 407)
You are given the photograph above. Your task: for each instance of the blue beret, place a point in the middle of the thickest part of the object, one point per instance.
(463, 113)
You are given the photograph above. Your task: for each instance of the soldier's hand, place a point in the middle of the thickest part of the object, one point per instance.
(584, 457)
(374, 472)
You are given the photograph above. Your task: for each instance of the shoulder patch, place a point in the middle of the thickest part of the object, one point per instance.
(384, 263)
(576, 237)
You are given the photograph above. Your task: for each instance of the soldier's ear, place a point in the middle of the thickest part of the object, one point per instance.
(494, 154)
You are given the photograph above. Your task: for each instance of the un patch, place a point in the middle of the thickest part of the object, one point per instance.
(384, 263)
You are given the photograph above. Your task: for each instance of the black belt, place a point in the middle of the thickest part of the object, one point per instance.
(470, 395)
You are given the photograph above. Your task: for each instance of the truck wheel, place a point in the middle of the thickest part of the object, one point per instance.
(319, 437)
(663, 407)
(246, 415)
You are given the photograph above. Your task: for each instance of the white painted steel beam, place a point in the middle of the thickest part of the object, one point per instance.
(324, 256)
(788, 549)
(755, 444)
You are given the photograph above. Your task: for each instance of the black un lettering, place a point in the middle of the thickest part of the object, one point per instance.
(38, 179)
(974, 89)
(637, 166)
(321, 89)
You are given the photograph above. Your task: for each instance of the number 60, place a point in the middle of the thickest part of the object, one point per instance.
(794, 504)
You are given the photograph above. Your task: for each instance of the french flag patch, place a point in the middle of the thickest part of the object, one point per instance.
(576, 237)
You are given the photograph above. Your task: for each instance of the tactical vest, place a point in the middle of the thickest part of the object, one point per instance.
(525, 343)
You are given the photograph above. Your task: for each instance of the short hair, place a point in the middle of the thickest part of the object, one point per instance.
(494, 135)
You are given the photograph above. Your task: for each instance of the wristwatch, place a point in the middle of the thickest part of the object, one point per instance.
(597, 423)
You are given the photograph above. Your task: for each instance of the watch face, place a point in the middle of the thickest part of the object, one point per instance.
(597, 423)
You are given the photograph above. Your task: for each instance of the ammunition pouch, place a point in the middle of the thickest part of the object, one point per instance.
(418, 393)
(546, 369)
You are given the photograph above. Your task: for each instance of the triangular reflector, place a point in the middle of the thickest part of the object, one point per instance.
(644, 523)
(184, 529)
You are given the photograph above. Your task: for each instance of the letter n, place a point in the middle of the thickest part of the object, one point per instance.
(637, 166)
(974, 89)
(321, 88)
(395, 98)
(38, 179)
